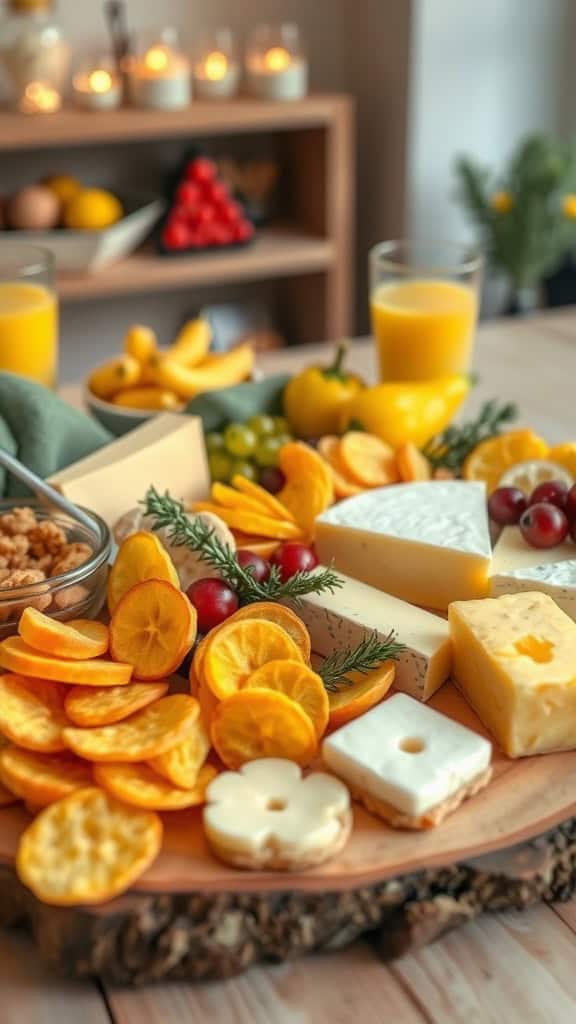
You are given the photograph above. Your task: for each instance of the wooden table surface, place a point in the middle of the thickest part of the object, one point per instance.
(504, 969)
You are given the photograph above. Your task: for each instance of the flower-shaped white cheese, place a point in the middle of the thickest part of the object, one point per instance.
(267, 816)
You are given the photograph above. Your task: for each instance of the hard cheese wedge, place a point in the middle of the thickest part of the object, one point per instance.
(356, 610)
(514, 657)
(518, 568)
(427, 543)
(167, 451)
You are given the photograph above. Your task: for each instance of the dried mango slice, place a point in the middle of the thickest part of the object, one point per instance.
(251, 522)
(308, 490)
(271, 611)
(140, 786)
(87, 848)
(229, 497)
(32, 713)
(144, 735)
(237, 649)
(17, 657)
(412, 465)
(259, 545)
(102, 705)
(262, 723)
(141, 557)
(182, 763)
(368, 460)
(153, 627)
(297, 681)
(274, 507)
(79, 639)
(365, 691)
(39, 779)
(345, 486)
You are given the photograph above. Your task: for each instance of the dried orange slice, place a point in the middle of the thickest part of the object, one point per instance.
(368, 460)
(208, 703)
(32, 713)
(491, 458)
(271, 611)
(141, 557)
(344, 485)
(237, 649)
(60, 857)
(39, 779)
(182, 763)
(528, 475)
(351, 701)
(274, 507)
(140, 786)
(79, 639)
(297, 681)
(412, 465)
(309, 489)
(153, 628)
(144, 735)
(252, 522)
(102, 705)
(262, 723)
(17, 657)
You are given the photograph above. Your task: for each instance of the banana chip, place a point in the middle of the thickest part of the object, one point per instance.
(39, 779)
(140, 786)
(32, 713)
(182, 763)
(104, 705)
(146, 734)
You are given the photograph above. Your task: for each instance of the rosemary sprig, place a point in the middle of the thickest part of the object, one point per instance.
(370, 653)
(166, 512)
(450, 448)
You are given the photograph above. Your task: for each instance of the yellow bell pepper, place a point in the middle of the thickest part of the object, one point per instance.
(407, 410)
(315, 399)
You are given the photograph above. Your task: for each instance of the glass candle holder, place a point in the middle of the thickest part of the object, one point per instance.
(96, 85)
(216, 68)
(276, 65)
(424, 306)
(34, 54)
(28, 312)
(161, 77)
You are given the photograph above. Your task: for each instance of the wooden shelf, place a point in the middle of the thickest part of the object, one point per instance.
(274, 253)
(232, 117)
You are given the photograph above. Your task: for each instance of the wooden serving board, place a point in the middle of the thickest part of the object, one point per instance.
(191, 917)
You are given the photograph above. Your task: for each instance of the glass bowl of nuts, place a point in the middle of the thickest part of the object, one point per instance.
(50, 562)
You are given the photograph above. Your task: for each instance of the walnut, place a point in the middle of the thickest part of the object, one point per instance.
(70, 596)
(71, 556)
(18, 521)
(38, 597)
(14, 551)
(46, 538)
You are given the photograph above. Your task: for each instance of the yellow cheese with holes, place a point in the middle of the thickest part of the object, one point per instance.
(514, 658)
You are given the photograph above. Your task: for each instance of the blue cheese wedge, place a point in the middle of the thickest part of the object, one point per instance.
(408, 764)
(426, 543)
(355, 611)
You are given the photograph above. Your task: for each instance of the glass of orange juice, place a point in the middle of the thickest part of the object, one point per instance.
(424, 306)
(28, 313)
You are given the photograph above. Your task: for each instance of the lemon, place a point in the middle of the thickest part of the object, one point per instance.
(527, 475)
(92, 209)
(64, 186)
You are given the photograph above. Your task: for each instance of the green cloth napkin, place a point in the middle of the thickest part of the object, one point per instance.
(42, 431)
(217, 408)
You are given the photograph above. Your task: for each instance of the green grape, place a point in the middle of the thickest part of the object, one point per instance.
(262, 425)
(283, 439)
(239, 440)
(244, 468)
(281, 425)
(267, 451)
(220, 466)
(214, 442)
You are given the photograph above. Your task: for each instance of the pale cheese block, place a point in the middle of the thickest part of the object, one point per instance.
(518, 568)
(406, 755)
(355, 610)
(514, 658)
(512, 552)
(427, 543)
(168, 451)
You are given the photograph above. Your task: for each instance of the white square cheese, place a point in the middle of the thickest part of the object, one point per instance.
(355, 610)
(406, 754)
(427, 543)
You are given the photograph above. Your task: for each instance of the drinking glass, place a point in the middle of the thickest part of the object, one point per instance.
(28, 313)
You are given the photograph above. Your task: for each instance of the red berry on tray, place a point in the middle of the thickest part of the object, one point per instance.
(188, 194)
(243, 231)
(554, 492)
(258, 566)
(292, 558)
(201, 170)
(272, 479)
(213, 600)
(570, 508)
(506, 505)
(231, 213)
(217, 192)
(175, 235)
(205, 215)
(543, 525)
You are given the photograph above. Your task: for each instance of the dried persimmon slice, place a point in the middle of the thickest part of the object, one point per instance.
(79, 639)
(344, 485)
(144, 735)
(262, 723)
(271, 611)
(18, 657)
(32, 713)
(89, 706)
(300, 683)
(364, 691)
(153, 628)
(39, 779)
(308, 490)
(142, 556)
(140, 786)
(368, 460)
(236, 649)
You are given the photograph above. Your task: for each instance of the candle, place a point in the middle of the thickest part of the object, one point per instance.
(216, 70)
(161, 78)
(97, 88)
(275, 66)
(40, 98)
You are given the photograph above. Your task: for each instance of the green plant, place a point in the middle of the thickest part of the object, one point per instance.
(526, 215)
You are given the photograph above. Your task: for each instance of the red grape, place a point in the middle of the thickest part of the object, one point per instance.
(213, 600)
(201, 170)
(271, 479)
(292, 558)
(258, 566)
(543, 525)
(506, 505)
(552, 492)
(570, 509)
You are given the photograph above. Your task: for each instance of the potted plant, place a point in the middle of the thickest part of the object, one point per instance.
(526, 215)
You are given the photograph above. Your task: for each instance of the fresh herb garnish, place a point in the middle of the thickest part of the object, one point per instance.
(450, 448)
(166, 512)
(370, 653)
